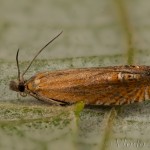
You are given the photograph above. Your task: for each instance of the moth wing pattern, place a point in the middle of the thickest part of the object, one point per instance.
(95, 86)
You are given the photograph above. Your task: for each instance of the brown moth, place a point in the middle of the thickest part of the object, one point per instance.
(115, 85)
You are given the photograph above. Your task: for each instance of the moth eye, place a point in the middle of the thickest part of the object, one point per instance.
(21, 88)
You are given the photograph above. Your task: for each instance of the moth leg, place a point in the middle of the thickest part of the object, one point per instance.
(47, 100)
(62, 103)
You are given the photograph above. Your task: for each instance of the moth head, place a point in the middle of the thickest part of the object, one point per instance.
(17, 86)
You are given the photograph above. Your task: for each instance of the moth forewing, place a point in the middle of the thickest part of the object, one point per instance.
(94, 86)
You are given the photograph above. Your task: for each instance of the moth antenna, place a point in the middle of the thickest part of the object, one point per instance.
(17, 61)
(39, 53)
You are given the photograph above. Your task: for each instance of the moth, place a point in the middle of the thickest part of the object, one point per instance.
(114, 85)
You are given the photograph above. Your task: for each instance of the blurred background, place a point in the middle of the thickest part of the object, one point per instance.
(89, 28)
(95, 33)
